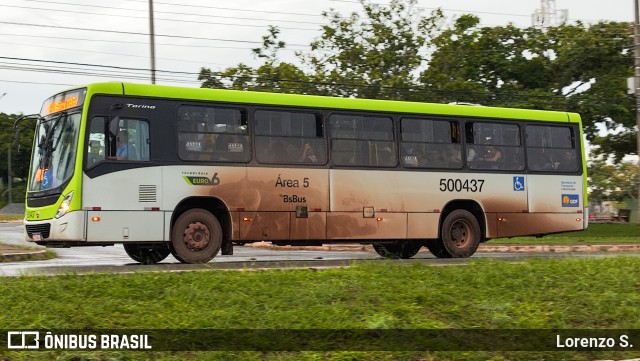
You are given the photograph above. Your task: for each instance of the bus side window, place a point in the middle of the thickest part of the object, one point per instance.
(362, 141)
(96, 151)
(428, 143)
(128, 140)
(551, 149)
(289, 137)
(213, 134)
(494, 146)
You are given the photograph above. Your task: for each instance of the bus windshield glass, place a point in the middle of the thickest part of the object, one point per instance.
(55, 151)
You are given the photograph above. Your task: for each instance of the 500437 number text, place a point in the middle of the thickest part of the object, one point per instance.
(460, 185)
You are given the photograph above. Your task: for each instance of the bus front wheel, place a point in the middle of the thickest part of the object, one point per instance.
(397, 250)
(460, 236)
(196, 236)
(147, 254)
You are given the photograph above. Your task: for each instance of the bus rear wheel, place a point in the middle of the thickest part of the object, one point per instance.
(402, 250)
(196, 236)
(460, 236)
(147, 254)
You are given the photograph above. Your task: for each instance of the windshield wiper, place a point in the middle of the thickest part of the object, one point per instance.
(48, 147)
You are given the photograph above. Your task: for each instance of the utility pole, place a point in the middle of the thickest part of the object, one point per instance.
(153, 43)
(548, 16)
(636, 42)
(8, 164)
(9, 172)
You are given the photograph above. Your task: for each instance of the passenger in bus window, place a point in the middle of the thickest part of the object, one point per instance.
(278, 152)
(95, 152)
(308, 154)
(122, 140)
(493, 154)
(567, 162)
(434, 159)
(454, 156)
(542, 161)
(386, 157)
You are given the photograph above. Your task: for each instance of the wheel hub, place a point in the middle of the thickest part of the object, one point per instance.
(460, 234)
(196, 236)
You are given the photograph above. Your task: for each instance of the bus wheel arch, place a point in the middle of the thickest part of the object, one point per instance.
(199, 217)
(461, 229)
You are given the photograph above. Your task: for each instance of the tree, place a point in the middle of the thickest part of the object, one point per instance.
(19, 160)
(375, 55)
(612, 181)
(272, 75)
(574, 68)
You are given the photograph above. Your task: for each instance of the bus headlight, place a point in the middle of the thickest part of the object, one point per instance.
(64, 207)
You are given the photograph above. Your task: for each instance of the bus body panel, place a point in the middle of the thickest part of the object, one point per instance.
(125, 226)
(417, 191)
(556, 194)
(519, 224)
(105, 197)
(135, 189)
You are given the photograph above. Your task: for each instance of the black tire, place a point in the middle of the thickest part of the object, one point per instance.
(196, 236)
(147, 254)
(437, 249)
(460, 235)
(402, 250)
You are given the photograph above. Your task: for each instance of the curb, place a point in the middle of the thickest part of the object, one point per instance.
(22, 255)
(527, 248)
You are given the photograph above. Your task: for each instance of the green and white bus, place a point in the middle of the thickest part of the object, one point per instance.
(191, 172)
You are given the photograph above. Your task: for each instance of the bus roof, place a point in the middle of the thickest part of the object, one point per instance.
(314, 101)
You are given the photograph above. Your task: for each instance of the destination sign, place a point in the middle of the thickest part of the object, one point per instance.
(63, 101)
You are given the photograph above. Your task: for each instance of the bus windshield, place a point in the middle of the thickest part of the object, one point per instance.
(55, 151)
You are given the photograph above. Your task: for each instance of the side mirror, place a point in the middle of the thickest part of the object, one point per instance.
(16, 140)
(16, 137)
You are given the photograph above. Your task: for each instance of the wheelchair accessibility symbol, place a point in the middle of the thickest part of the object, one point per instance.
(518, 184)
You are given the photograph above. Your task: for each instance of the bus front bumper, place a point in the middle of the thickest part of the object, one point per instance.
(68, 228)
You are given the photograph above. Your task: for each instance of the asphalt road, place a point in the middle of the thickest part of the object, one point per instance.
(81, 260)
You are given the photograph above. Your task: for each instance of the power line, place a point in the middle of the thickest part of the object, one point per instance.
(108, 53)
(456, 10)
(33, 82)
(178, 13)
(223, 8)
(139, 33)
(163, 19)
(465, 11)
(92, 65)
(132, 42)
(105, 73)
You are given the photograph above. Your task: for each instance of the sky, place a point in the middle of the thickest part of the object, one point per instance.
(49, 46)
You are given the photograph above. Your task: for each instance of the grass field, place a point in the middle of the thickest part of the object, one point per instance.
(486, 294)
(596, 233)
